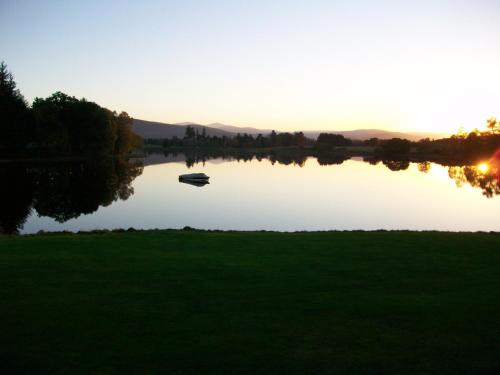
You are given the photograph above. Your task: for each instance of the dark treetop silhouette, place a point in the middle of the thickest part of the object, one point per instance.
(59, 125)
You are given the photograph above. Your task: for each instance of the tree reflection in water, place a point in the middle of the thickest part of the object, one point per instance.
(485, 176)
(424, 167)
(397, 165)
(62, 191)
(487, 180)
(16, 196)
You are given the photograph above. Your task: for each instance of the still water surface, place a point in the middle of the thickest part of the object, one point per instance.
(262, 194)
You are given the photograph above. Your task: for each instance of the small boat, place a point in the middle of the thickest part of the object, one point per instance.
(194, 177)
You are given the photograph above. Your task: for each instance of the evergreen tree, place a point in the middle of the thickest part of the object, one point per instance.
(15, 121)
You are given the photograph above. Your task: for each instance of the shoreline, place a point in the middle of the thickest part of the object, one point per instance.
(242, 232)
(341, 152)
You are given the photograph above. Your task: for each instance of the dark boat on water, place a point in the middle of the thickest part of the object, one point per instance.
(196, 179)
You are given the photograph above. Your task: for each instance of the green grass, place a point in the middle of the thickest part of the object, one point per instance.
(190, 302)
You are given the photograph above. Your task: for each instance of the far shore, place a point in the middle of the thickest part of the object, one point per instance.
(345, 152)
(368, 152)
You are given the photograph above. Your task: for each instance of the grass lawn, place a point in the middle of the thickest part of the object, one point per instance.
(192, 302)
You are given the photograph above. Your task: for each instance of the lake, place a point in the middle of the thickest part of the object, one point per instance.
(282, 194)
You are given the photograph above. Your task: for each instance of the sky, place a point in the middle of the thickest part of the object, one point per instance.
(428, 65)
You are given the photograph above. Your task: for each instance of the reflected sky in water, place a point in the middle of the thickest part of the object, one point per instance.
(256, 195)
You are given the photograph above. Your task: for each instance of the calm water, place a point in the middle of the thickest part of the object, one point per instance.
(283, 195)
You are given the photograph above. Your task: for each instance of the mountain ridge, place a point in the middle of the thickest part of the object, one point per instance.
(156, 130)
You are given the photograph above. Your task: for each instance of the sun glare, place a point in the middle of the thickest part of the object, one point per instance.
(483, 167)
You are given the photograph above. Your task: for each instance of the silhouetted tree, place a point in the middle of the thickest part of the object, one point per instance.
(371, 142)
(396, 146)
(190, 132)
(126, 139)
(272, 138)
(67, 125)
(493, 125)
(327, 140)
(16, 126)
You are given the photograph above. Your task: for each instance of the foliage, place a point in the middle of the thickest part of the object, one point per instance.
(473, 147)
(371, 142)
(71, 126)
(193, 138)
(396, 146)
(16, 125)
(327, 140)
(60, 125)
(493, 125)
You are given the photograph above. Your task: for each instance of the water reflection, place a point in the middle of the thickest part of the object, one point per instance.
(283, 157)
(66, 190)
(486, 179)
(424, 166)
(63, 190)
(396, 165)
(485, 176)
(16, 196)
(194, 182)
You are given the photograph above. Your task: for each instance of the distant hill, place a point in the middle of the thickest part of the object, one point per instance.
(360, 134)
(151, 129)
(237, 129)
(363, 134)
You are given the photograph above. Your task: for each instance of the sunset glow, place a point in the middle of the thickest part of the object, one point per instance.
(483, 167)
(421, 66)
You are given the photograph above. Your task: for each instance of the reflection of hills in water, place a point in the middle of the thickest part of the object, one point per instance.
(63, 190)
(66, 190)
(488, 180)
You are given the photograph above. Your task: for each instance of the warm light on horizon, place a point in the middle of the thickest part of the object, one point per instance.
(400, 66)
(483, 167)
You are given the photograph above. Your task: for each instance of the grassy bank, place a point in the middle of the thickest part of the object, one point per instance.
(189, 302)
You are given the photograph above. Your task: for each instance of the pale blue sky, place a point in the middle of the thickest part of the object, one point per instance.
(421, 65)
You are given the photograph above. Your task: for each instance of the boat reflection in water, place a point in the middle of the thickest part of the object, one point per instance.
(195, 179)
(198, 183)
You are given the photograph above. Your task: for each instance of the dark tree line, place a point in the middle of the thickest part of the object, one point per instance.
(327, 140)
(474, 146)
(193, 138)
(467, 147)
(60, 125)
